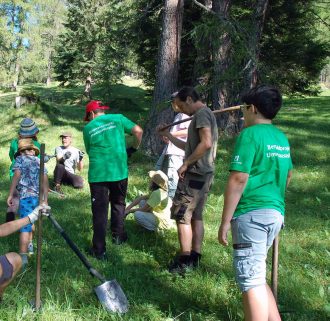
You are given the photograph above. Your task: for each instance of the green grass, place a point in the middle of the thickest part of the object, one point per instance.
(140, 265)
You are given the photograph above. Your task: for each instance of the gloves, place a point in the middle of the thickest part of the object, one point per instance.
(67, 155)
(34, 215)
(81, 155)
(48, 157)
(130, 151)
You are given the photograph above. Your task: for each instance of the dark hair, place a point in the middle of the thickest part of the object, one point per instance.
(186, 92)
(153, 186)
(266, 99)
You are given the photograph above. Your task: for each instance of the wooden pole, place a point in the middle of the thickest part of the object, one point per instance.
(39, 230)
(214, 112)
(274, 276)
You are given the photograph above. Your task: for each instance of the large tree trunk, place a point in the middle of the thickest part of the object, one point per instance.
(167, 74)
(220, 58)
(251, 72)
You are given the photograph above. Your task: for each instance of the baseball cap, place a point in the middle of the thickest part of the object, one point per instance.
(94, 105)
(66, 134)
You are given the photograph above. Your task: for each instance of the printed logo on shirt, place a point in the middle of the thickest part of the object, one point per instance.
(102, 128)
(278, 151)
(236, 160)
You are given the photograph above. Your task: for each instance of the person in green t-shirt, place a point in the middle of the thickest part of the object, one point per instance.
(28, 129)
(254, 204)
(105, 144)
(153, 211)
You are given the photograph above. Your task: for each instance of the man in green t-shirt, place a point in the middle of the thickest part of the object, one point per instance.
(195, 177)
(254, 199)
(105, 143)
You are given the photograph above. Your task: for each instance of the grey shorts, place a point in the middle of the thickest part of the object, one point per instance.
(253, 234)
(190, 198)
(7, 269)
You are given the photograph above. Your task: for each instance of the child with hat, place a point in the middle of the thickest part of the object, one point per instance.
(154, 210)
(26, 180)
(28, 129)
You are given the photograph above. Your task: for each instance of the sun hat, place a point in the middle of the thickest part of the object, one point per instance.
(25, 144)
(28, 128)
(94, 105)
(159, 178)
(66, 134)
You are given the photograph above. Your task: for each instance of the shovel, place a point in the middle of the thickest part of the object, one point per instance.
(109, 293)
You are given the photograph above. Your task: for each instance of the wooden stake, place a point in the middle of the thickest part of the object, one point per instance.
(39, 230)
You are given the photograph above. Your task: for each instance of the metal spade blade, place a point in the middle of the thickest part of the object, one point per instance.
(112, 297)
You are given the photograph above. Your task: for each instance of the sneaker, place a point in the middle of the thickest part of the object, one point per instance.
(195, 258)
(181, 265)
(30, 249)
(101, 257)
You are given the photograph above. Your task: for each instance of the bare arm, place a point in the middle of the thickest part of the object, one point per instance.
(204, 145)
(180, 133)
(137, 132)
(13, 226)
(14, 182)
(176, 141)
(134, 203)
(288, 180)
(234, 190)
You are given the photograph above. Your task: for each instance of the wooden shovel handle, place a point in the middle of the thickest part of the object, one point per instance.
(39, 230)
(190, 118)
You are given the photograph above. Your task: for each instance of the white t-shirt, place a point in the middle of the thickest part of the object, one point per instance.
(70, 164)
(171, 148)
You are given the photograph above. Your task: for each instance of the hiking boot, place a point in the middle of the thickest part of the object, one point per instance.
(101, 257)
(58, 189)
(181, 265)
(195, 258)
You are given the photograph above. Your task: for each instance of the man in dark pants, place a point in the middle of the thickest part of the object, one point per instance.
(104, 138)
(68, 159)
(196, 176)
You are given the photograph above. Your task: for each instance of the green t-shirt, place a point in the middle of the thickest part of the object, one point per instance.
(105, 144)
(262, 151)
(13, 149)
(161, 208)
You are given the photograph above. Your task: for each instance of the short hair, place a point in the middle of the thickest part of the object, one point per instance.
(267, 99)
(186, 92)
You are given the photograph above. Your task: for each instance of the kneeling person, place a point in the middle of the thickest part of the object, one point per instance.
(68, 158)
(154, 210)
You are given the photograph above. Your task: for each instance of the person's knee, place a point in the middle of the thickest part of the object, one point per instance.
(79, 184)
(15, 260)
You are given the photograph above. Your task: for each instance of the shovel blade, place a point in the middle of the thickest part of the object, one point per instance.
(112, 297)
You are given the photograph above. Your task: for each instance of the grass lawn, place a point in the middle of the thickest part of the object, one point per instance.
(139, 266)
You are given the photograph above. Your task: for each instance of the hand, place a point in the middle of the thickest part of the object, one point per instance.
(165, 132)
(81, 155)
(10, 200)
(130, 151)
(67, 155)
(35, 214)
(182, 170)
(222, 233)
(48, 157)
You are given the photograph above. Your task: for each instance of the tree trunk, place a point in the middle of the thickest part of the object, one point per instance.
(251, 72)
(49, 69)
(220, 57)
(167, 74)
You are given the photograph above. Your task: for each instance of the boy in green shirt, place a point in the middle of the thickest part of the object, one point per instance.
(254, 199)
